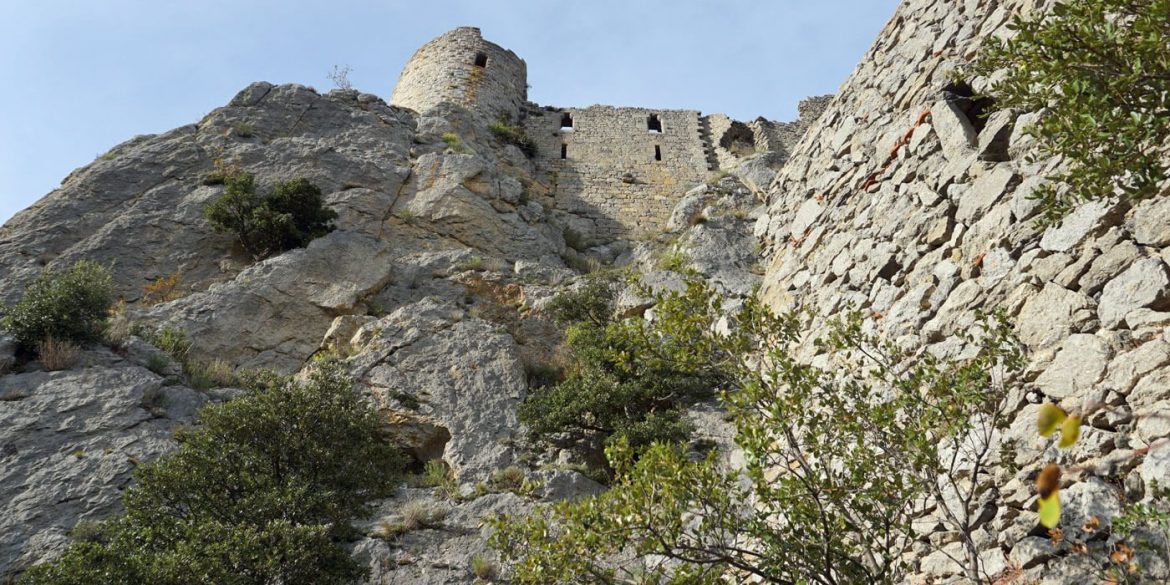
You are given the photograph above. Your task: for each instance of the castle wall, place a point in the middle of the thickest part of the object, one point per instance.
(610, 176)
(445, 70)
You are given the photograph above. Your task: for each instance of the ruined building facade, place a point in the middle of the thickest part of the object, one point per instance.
(617, 171)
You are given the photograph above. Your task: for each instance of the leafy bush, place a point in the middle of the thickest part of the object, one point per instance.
(1100, 70)
(628, 378)
(513, 135)
(260, 492)
(839, 462)
(291, 216)
(68, 306)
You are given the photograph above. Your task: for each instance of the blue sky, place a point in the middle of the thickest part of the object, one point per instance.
(83, 75)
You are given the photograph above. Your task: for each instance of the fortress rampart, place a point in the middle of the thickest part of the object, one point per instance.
(614, 171)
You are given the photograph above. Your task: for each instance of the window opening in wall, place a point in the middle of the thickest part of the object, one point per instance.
(564, 151)
(657, 152)
(566, 120)
(653, 124)
(481, 59)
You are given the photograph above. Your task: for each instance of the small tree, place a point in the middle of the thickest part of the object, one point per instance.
(839, 462)
(339, 75)
(71, 305)
(291, 216)
(1100, 71)
(259, 493)
(629, 378)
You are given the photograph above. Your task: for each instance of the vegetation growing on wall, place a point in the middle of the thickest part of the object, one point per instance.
(1098, 71)
(515, 135)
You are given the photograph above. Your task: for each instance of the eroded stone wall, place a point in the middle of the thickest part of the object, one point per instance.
(617, 177)
(895, 204)
(462, 68)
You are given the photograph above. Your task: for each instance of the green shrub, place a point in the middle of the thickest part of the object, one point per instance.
(628, 379)
(513, 135)
(839, 462)
(1101, 71)
(291, 216)
(68, 306)
(261, 491)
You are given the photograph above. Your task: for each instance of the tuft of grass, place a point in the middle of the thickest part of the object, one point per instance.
(483, 568)
(243, 129)
(513, 135)
(407, 216)
(454, 142)
(508, 479)
(472, 263)
(57, 354)
(119, 329)
(417, 514)
(157, 363)
(674, 260)
(388, 530)
(580, 262)
(216, 373)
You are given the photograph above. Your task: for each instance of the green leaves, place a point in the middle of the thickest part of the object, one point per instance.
(71, 305)
(1100, 71)
(290, 217)
(258, 493)
(629, 378)
(839, 458)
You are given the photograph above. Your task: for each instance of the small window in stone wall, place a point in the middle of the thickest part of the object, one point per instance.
(564, 151)
(481, 59)
(566, 120)
(657, 152)
(653, 124)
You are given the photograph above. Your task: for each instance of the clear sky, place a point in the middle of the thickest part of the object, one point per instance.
(83, 75)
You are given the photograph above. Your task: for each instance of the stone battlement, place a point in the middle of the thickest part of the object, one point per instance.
(615, 171)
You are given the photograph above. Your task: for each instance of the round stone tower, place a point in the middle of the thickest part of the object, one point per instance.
(462, 68)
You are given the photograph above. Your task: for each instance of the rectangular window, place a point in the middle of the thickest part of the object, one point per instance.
(481, 60)
(653, 124)
(564, 151)
(657, 152)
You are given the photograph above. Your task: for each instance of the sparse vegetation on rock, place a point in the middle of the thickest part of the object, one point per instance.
(290, 216)
(1098, 71)
(260, 492)
(629, 379)
(70, 306)
(839, 462)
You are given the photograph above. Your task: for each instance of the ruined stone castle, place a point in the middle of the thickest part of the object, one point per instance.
(618, 171)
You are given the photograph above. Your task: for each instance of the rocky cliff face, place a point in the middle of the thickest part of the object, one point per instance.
(899, 203)
(429, 289)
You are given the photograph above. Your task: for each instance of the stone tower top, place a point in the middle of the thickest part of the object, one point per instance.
(462, 68)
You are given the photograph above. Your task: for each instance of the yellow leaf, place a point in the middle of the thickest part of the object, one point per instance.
(1050, 510)
(1070, 431)
(1048, 484)
(1050, 417)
